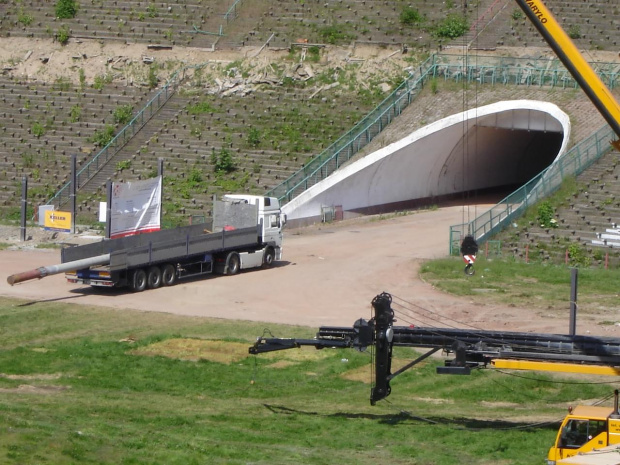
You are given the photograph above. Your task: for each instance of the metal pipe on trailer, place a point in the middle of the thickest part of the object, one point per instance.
(44, 271)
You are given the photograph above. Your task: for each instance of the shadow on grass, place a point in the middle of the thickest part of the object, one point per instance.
(407, 417)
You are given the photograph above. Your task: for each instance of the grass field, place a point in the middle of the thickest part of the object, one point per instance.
(543, 286)
(92, 385)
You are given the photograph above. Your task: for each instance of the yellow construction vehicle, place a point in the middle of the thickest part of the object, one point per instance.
(575, 63)
(586, 429)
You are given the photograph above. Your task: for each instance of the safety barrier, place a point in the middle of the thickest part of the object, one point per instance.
(572, 163)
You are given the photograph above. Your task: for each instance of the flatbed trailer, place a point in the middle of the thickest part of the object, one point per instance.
(162, 257)
(248, 235)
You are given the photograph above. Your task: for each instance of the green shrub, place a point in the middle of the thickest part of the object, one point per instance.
(75, 113)
(101, 80)
(66, 9)
(152, 79)
(254, 137)
(63, 35)
(24, 18)
(452, 27)
(574, 31)
(123, 114)
(517, 14)
(195, 176)
(37, 129)
(82, 76)
(335, 34)
(103, 137)
(200, 108)
(434, 86)
(410, 16)
(546, 215)
(314, 54)
(577, 256)
(223, 161)
(123, 165)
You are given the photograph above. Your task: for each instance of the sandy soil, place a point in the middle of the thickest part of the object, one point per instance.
(47, 60)
(329, 276)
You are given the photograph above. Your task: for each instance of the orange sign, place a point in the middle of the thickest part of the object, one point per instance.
(57, 221)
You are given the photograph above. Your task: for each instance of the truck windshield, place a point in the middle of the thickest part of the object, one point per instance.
(577, 432)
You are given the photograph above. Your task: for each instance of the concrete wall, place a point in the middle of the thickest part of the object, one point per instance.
(503, 144)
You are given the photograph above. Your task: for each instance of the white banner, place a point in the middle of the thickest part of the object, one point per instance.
(136, 207)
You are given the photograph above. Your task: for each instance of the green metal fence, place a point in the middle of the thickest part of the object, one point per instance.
(572, 163)
(472, 69)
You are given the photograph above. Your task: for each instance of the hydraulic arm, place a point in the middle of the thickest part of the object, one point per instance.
(575, 63)
(470, 348)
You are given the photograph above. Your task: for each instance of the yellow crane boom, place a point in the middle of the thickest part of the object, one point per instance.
(575, 63)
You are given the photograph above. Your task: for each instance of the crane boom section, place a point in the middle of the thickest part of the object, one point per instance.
(573, 60)
(556, 367)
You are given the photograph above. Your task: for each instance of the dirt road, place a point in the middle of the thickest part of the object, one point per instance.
(329, 277)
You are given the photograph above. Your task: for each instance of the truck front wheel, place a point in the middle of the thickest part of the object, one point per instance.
(138, 283)
(233, 263)
(168, 275)
(270, 256)
(154, 277)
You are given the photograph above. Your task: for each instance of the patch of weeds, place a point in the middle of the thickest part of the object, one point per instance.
(37, 129)
(574, 31)
(63, 35)
(222, 161)
(200, 108)
(48, 245)
(314, 54)
(66, 9)
(75, 113)
(517, 14)
(152, 79)
(82, 78)
(151, 10)
(123, 114)
(254, 137)
(546, 215)
(577, 256)
(336, 34)
(123, 165)
(101, 80)
(28, 159)
(103, 137)
(62, 84)
(24, 19)
(451, 27)
(410, 16)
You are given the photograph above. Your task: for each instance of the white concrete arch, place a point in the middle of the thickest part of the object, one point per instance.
(502, 144)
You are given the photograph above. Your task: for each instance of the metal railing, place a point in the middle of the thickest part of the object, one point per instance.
(92, 167)
(480, 69)
(572, 163)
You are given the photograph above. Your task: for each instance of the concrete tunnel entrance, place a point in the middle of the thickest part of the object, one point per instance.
(497, 147)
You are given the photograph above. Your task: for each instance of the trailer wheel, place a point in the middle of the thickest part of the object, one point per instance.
(233, 263)
(270, 256)
(138, 283)
(154, 277)
(168, 275)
